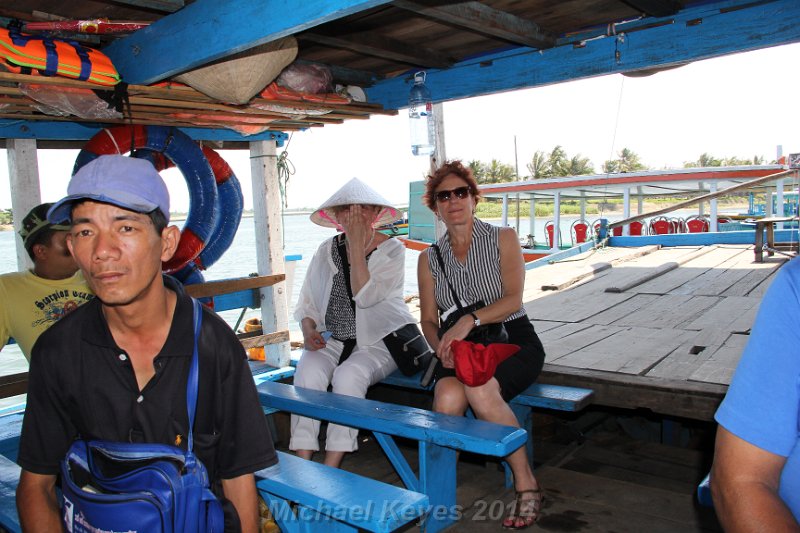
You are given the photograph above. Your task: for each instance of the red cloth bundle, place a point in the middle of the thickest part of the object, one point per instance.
(475, 363)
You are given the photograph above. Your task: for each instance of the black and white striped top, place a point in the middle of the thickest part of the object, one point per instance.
(479, 278)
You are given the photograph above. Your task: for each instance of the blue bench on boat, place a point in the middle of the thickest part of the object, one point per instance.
(439, 438)
(331, 499)
(9, 477)
(538, 395)
(704, 492)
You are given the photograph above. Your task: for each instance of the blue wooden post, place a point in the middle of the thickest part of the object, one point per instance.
(602, 232)
(437, 476)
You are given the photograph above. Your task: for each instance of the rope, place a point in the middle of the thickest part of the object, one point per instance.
(602, 243)
(285, 171)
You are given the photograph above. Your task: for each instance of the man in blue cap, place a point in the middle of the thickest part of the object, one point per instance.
(116, 368)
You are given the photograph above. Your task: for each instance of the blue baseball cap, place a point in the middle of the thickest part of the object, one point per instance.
(127, 182)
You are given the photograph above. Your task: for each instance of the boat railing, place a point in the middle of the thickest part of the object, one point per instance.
(702, 198)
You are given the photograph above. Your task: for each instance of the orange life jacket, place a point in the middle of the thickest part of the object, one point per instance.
(53, 57)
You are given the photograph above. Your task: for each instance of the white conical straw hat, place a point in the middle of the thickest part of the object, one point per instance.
(354, 191)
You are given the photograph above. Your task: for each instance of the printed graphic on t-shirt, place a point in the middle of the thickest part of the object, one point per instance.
(57, 305)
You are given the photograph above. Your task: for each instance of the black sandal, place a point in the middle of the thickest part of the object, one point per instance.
(525, 512)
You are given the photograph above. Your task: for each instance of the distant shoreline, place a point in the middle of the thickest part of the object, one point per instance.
(249, 214)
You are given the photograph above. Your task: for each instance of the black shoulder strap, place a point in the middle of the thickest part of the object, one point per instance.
(444, 273)
(345, 267)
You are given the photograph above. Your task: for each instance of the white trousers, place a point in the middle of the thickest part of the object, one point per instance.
(317, 369)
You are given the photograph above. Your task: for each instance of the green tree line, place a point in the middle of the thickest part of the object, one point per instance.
(557, 162)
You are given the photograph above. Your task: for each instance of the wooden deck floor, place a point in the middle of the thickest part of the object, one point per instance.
(661, 329)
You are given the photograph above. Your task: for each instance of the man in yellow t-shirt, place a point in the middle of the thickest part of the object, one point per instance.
(32, 301)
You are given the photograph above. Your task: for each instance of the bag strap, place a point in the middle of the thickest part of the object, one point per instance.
(340, 246)
(444, 273)
(191, 383)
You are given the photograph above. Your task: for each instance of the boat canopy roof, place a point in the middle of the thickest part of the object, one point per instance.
(467, 49)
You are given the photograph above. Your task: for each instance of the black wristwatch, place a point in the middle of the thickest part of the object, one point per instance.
(477, 320)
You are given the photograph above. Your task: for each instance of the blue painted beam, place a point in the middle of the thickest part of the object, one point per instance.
(207, 30)
(702, 239)
(73, 131)
(710, 30)
(558, 256)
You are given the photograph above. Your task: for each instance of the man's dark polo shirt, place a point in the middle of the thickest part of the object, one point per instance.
(83, 384)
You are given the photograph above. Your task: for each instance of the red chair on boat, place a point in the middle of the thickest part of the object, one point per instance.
(579, 231)
(660, 226)
(697, 224)
(548, 233)
(636, 228)
(678, 225)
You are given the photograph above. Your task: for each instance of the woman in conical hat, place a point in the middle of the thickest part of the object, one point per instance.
(343, 336)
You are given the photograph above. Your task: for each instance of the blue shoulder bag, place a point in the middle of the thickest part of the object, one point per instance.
(118, 486)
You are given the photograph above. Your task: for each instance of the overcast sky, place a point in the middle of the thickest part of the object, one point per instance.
(739, 105)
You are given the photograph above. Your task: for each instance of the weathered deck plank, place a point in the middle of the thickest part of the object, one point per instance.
(721, 364)
(735, 313)
(669, 311)
(670, 343)
(579, 339)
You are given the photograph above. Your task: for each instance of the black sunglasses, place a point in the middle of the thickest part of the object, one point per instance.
(460, 192)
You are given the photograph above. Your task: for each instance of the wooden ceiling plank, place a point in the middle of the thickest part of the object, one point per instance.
(655, 8)
(752, 27)
(74, 131)
(383, 47)
(481, 18)
(166, 6)
(169, 46)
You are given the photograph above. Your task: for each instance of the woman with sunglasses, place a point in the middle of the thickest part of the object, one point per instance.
(483, 263)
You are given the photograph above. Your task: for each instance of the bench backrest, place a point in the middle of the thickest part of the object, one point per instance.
(455, 432)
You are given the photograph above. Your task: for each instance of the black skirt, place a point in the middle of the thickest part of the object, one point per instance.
(519, 371)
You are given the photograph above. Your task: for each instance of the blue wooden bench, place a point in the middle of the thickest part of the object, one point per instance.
(439, 437)
(538, 395)
(704, 492)
(9, 477)
(330, 499)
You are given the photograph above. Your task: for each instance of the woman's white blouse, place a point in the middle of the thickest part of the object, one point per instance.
(380, 308)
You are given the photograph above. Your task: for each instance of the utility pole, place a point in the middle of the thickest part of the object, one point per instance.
(516, 173)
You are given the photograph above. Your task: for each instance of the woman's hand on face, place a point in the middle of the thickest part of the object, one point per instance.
(313, 341)
(356, 221)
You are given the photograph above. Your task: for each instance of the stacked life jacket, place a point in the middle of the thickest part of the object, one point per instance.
(51, 57)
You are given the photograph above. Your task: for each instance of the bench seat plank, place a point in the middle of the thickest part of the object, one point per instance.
(554, 397)
(460, 433)
(362, 502)
(9, 478)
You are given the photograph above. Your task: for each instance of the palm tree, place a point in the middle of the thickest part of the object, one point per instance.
(577, 166)
(627, 161)
(497, 172)
(558, 161)
(478, 169)
(539, 167)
